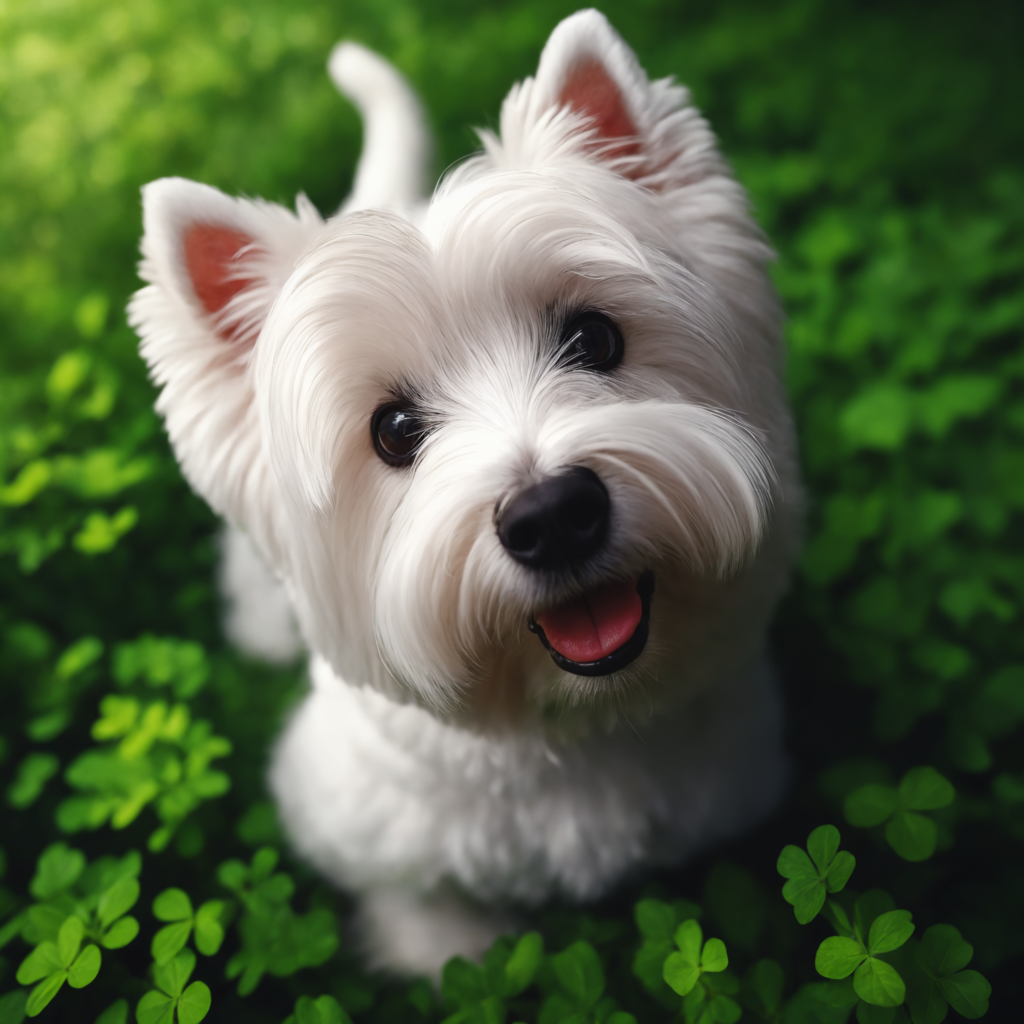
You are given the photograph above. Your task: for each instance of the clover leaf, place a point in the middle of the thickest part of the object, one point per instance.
(171, 1001)
(874, 980)
(911, 834)
(33, 774)
(575, 981)
(325, 1010)
(657, 922)
(274, 938)
(118, 930)
(161, 758)
(174, 905)
(827, 869)
(57, 870)
(52, 963)
(479, 991)
(580, 975)
(683, 969)
(940, 980)
(762, 988)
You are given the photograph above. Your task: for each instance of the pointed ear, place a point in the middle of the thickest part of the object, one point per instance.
(213, 266)
(646, 131)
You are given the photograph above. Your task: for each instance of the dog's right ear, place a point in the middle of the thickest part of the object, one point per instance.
(590, 87)
(214, 267)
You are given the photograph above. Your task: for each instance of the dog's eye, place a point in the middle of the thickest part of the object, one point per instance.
(397, 433)
(592, 340)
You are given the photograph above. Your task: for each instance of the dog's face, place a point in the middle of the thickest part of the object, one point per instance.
(525, 442)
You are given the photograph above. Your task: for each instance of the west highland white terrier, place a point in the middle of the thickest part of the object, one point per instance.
(521, 456)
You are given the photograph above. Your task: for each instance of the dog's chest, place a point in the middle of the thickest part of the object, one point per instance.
(378, 793)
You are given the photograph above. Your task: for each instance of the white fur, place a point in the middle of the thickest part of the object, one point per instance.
(258, 616)
(441, 751)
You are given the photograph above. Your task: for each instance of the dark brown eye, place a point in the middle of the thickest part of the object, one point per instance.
(592, 340)
(397, 433)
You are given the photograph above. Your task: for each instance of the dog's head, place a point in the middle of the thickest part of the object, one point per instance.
(472, 439)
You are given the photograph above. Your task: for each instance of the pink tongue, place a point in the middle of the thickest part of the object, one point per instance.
(595, 624)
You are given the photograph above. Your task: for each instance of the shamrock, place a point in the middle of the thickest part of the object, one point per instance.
(575, 980)
(175, 906)
(324, 1010)
(827, 869)
(172, 997)
(79, 905)
(274, 937)
(939, 978)
(479, 991)
(874, 980)
(53, 963)
(709, 1000)
(911, 834)
(762, 989)
(657, 922)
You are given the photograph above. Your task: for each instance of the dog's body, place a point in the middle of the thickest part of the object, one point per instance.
(512, 410)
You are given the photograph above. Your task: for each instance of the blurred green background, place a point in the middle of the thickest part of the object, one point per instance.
(882, 145)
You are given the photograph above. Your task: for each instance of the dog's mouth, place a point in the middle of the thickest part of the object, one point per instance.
(599, 632)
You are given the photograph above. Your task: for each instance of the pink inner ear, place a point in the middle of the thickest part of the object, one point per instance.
(210, 253)
(590, 90)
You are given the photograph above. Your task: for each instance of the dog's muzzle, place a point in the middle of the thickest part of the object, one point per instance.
(600, 632)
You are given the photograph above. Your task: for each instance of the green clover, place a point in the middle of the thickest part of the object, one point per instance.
(575, 980)
(53, 963)
(940, 980)
(682, 969)
(274, 938)
(874, 980)
(160, 757)
(325, 1010)
(175, 906)
(83, 908)
(33, 774)
(911, 834)
(657, 922)
(827, 869)
(171, 997)
(116, 929)
(480, 991)
(762, 988)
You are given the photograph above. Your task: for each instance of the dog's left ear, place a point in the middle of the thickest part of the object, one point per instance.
(646, 131)
(214, 267)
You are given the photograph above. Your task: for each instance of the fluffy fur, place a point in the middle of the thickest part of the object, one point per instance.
(442, 760)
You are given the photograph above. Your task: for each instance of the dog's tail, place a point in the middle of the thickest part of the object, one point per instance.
(396, 143)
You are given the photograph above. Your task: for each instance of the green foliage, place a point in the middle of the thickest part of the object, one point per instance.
(161, 758)
(174, 905)
(883, 155)
(937, 978)
(480, 993)
(688, 971)
(80, 909)
(274, 938)
(174, 1001)
(911, 834)
(657, 922)
(827, 869)
(324, 1010)
(573, 985)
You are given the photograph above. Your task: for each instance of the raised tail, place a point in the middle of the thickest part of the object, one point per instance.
(396, 143)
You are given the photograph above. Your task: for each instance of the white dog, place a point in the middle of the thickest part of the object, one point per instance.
(521, 456)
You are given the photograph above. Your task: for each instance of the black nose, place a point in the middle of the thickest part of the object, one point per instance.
(557, 523)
